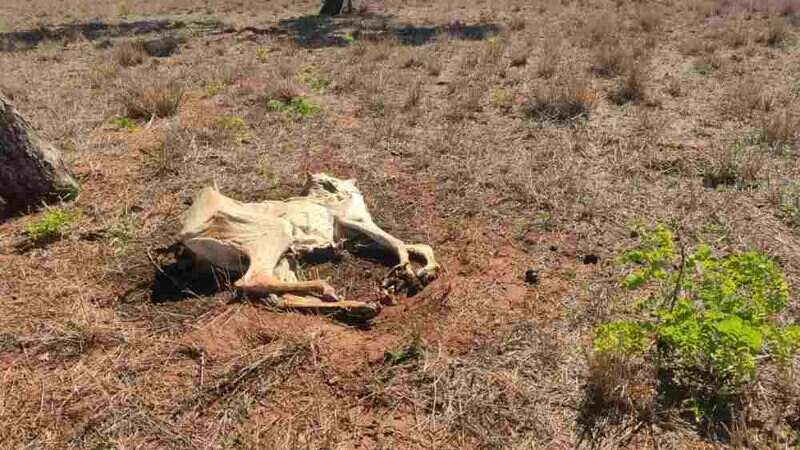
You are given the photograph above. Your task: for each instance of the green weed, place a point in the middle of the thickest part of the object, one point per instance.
(123, 123)
(311, 77)
(295, 107)
(501, 98)
(53, 225)
(413, 350)
(234, 127)
(262, 54)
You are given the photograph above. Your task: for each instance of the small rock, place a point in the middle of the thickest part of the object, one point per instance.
(591, 259)
(532, 276)
(161, 47)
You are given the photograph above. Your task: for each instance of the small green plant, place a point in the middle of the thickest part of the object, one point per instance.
(234, 127)
(707, 64)
(294, 107)
(413, 350)
(710, 320)
(262, 54)
(123, 123)
(213, 87)
(53, 225)
(790, 205)
(123, 9)
(348, 38)
(310, 77)
(501, 98)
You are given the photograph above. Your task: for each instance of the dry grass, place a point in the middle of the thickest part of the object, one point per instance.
(780, 130)
(632, 86)
(737, 166)
(566, 98)
(143, 98)
(129, 54)
(504, 168)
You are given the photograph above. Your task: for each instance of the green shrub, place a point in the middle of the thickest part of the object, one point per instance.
(311, 77)
(295, 107)
(123, 123)
(710, 321)
(53, 225)
(233, 127)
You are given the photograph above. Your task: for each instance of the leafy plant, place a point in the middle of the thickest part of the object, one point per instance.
(295, 107)
(262, 54)
(501, 98)
(709, 321)
(234, 127)
(310, 77)
(409, 352)
(123, 123)
(53, 225)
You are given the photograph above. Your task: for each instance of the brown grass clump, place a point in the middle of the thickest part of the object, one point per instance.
(748, 95)
(737, 166)
(145, 98)
(648, 17)
(283, 89)
(601, 28)
(632, 86)
(776, 32)
(780, 130)
(611, 59)
(551, 57)
(129, 54)
(620, 386)
(567, 98)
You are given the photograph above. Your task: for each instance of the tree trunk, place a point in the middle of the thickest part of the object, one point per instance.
(31, 170)
(331, 7)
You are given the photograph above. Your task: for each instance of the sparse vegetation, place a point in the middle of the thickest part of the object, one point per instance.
(517, 137)
(780, 130)
(567, 98)
(145, 99)
(738, 165)
(295, 107)
(708, 323)
(129, 53)
(54, 224)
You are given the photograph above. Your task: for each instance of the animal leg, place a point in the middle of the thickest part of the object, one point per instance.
(368, 228)
(424, 252)
(361, 310)
(263, 285)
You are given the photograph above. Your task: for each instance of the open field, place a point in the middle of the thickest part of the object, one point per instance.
(510, 135)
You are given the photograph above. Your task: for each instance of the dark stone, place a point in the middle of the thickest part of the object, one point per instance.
(532, 276)
(161, 47)
(591, 259)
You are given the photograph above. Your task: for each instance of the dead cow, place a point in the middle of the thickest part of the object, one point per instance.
(264, 237)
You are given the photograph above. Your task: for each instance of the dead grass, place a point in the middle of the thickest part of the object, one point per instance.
(620, 386)
(143, 98)
(129, 54)
(780, 130)
(633, 85)
(504, 168)
(566, 98)
(737, 166)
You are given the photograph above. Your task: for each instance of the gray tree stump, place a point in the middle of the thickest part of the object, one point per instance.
(31, 170)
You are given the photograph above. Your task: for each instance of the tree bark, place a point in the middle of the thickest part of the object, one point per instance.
(31, 170)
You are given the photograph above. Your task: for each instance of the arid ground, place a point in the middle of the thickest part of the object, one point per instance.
(511, 135)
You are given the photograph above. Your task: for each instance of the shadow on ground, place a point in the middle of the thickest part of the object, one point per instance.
(322, 31)
(94, 31)
(309, 31)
